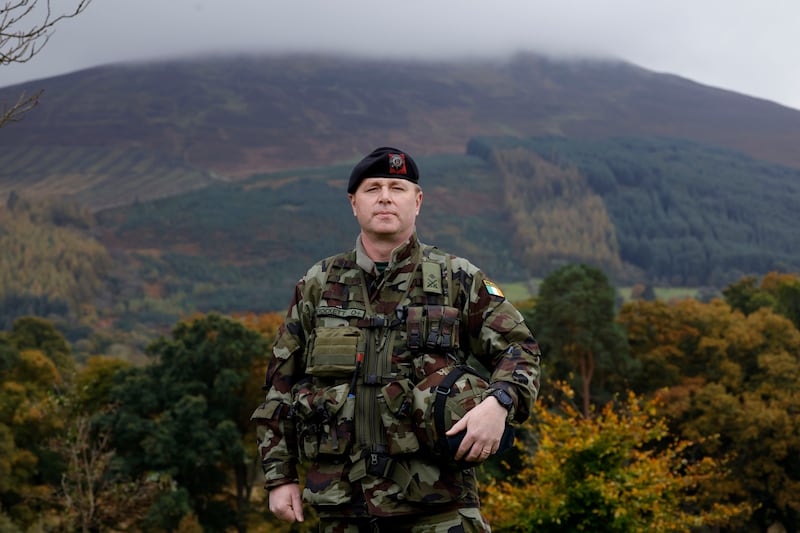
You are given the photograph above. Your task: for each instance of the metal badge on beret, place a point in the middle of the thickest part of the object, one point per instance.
(397, 164)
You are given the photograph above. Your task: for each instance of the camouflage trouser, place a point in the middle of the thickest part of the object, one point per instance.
(467, 520)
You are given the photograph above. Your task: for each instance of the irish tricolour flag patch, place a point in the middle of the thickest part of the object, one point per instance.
(493, 289)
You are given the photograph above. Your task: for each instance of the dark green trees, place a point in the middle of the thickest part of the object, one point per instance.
(184, 418)
(574, 321)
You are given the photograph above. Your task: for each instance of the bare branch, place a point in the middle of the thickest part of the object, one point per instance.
(25, 28)
(24, 104)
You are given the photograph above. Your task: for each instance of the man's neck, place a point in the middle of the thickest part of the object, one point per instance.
(380, 250)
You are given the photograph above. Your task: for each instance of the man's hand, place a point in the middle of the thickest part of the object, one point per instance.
(484, 424)
(285, 502)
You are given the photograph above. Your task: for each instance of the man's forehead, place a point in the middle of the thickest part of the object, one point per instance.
(387, 181)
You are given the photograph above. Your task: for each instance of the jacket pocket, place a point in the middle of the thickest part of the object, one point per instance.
(324, 418)
(395, 402)
(327, 486)
(432, 483)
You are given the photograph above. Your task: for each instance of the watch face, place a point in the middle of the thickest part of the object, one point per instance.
(503, 397)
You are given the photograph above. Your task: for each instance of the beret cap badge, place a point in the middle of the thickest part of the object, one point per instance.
(397, 164)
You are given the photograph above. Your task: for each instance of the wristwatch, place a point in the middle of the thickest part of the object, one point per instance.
(503, 397)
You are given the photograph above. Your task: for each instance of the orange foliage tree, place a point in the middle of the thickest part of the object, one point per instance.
(734, 376)
(615, 471)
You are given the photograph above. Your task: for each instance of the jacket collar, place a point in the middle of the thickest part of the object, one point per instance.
(407, 252)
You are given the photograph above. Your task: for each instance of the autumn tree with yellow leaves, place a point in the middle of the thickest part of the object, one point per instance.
(615, 471)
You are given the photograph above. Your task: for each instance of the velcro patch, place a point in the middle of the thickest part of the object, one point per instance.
(493, 289)
(431, 277)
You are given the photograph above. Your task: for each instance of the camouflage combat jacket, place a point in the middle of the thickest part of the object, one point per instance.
(346, 360)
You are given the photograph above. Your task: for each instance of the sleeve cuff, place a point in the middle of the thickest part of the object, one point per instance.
(279, 473)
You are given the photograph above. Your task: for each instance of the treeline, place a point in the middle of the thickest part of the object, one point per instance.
(680, 213)
(654, 416)
(245, 244)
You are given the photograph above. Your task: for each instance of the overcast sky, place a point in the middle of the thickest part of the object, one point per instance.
(748, 46)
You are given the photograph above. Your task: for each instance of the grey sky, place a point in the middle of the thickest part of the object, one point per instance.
(747, 46)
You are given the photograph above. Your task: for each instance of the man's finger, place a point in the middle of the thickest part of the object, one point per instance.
(297, 506)
(460, 425)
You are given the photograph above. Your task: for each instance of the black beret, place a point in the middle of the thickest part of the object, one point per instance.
(384, 162)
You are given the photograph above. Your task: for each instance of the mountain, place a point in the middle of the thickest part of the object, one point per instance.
(114, 134)
(208, 183)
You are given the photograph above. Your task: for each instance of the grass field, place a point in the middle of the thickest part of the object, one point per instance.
(520, 291)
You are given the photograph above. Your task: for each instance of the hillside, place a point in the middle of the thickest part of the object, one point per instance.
(660, 211)
(115, 134)
(212, 185)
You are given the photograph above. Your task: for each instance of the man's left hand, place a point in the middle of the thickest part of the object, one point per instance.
(484, 425)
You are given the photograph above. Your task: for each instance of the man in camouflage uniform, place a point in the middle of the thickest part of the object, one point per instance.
(349, 386)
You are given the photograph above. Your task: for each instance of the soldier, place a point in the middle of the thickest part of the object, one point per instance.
(368, 384)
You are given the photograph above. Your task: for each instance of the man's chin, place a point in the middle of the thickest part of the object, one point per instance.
(384, 229)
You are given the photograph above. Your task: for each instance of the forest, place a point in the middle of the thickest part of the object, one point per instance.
(654, 415)
(672, 211)
(658, 212)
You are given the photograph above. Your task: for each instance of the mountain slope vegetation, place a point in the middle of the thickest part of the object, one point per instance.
(646, 211)
(682, 213)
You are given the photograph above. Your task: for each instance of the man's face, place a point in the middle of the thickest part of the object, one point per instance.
(387, 208)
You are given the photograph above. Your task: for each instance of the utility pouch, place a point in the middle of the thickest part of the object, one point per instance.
(333, 351)
(433, 338)
(305, 424)
(432, 328)
(438, 327)
(448, 338)
(415, 327)
(395, 402)
(324, 418)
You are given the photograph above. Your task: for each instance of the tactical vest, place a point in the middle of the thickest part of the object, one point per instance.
(374, 367)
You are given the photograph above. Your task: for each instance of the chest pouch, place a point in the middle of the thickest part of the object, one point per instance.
(442, 328)
(395, 404)
(434, 328)
(333, 352)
